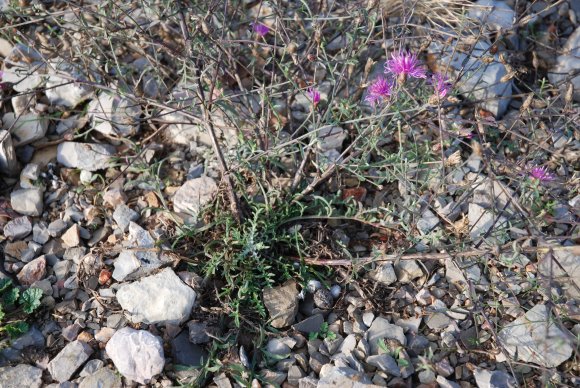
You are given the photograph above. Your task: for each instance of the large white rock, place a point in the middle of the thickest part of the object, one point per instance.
(27, 201)
(160, 298)
(193, 195)
(535, 337)
(568, 63)
(25, 128)
(114, 115)
(61, 88)
(137, 354)
(25, 68)
(86, 156)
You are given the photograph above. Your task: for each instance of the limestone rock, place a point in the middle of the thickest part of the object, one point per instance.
(114, 115)
(20, 376)
(137, 354)
(282, 304)
(26, 128)
(536, 338)
(568, 63)
(85, 156)
(160, 298)
(70, 358)
(193, 195)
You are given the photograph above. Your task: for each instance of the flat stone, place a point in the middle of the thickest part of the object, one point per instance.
(198, 332)
(563, 268)
(567, 63)
(104, 377)
(385, 363)
(535, 338)
(22, 103)
(85, 156)
(186, 353)
(344, 377)
(59, 89)
(279, 348)
(24, 67)
(114, 115)
(25, 128)
(331, 138)
(27, 201)
(428, 222)
(123, 215)
(310, 325)
(8, 160)
(160, 298)
(482, 220)
(32, 272)
(137, 354)
(141, 257)
(71, 237)
(495, 14)
(384, 274)
(493, 379)
(68, 360)
(57, 227)
(444, 383)
(408, 270)
(19, 376)
(18, 228)
(104, 334)
(480, 81)
(193, 195)
(282, 304)
(381, 328)
(91, 367)
(410, 324)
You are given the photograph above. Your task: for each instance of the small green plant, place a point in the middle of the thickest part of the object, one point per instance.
(323, 333)
(13, 305)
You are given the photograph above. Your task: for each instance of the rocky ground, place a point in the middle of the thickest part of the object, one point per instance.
(205, 196)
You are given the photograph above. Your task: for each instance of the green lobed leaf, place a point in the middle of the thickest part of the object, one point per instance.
(4, 284)
(30, 299)
(9, 298)
(2, 314)
(16, 329)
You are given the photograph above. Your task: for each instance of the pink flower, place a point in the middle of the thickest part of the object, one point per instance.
(541, 174)
(379, 90)
(314, 95)
(405, 64)
(260, 29)
(441, 85)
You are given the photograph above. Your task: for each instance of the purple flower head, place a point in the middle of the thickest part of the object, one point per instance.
(441, 85)
(403, 64)
(379, 90)
(260, 29)
(541, 174)
(314, 95)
